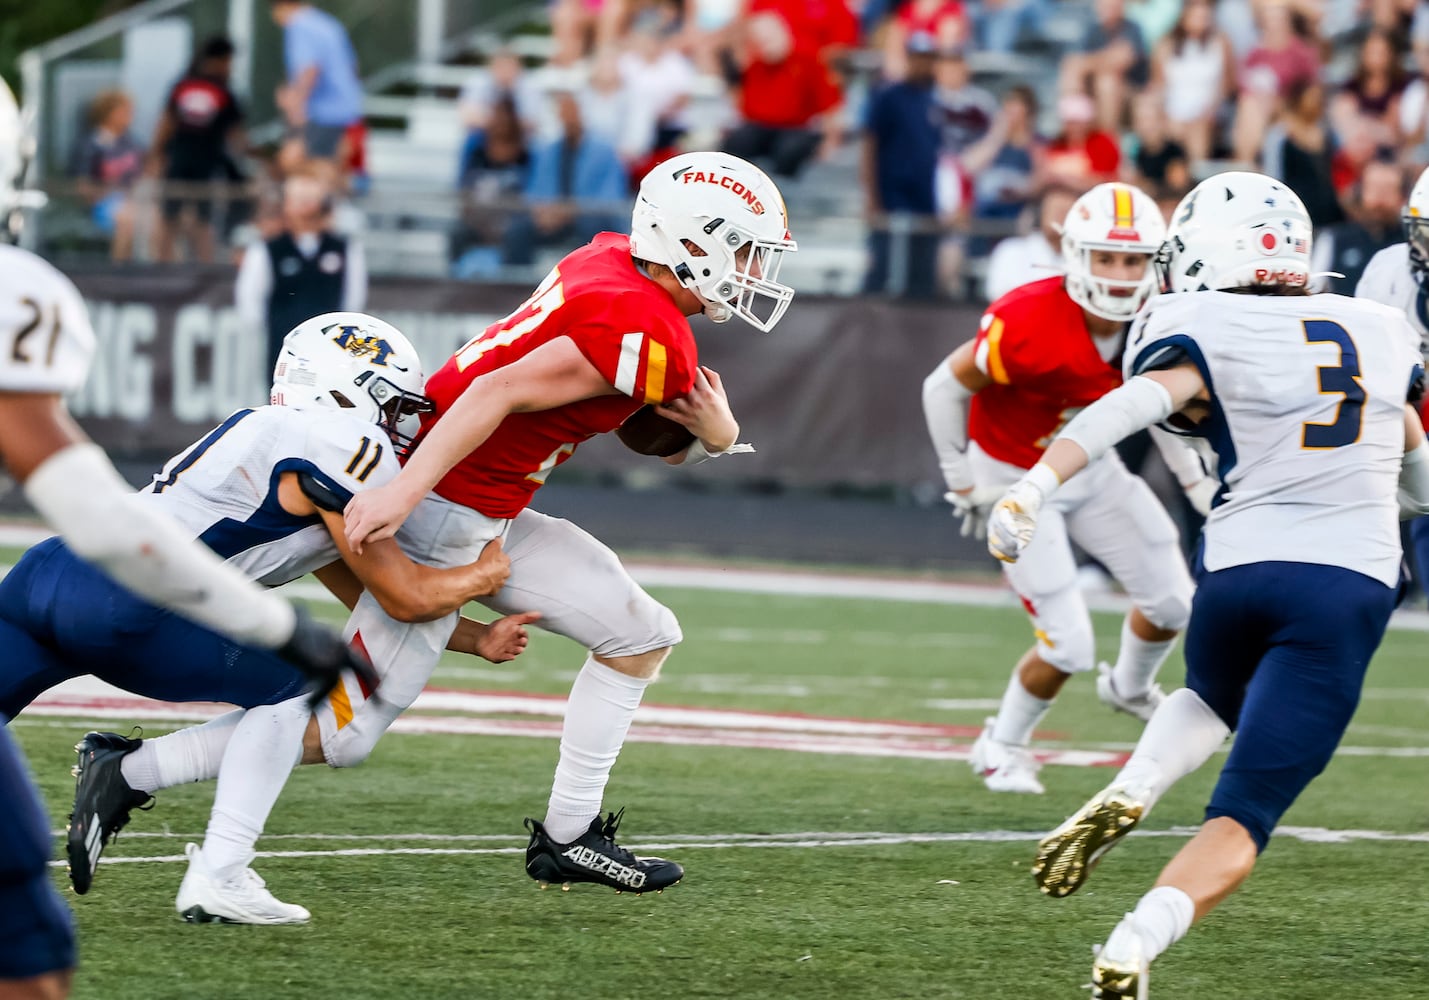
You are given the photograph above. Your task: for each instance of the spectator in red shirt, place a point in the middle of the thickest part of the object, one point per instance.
(944, 21)
(788, 95)
(1081, 156)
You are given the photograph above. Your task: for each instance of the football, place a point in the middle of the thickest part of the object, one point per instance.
(648, 433)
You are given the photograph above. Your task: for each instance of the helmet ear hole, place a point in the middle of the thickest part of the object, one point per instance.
(342, 400)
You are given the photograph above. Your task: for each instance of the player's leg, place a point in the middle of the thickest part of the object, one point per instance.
(267, 743)
(1045, 579)
(1419, 540)
(1324, 624)
(1124, 527)
(1224, 643)
(144, 649)
(37, 951)
(585, 594)
(270, 740)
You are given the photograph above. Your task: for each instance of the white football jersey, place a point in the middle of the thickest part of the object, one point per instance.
(1389, 280)
(1307, 422)
(46, 342)
(224, 487)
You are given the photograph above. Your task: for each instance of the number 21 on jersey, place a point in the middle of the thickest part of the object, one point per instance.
(1342, 379)
(549, 296)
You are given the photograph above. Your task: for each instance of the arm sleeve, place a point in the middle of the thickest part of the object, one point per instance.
(1130, 407)
(945, 407)
(1414, 482)
(80, 494)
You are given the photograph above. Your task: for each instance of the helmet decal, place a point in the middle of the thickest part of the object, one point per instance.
(1123, 220)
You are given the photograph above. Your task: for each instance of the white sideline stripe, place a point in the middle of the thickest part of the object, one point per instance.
(786, 583)
(1306, 835)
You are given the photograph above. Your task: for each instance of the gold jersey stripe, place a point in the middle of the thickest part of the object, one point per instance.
(994, 355)
(654, 372)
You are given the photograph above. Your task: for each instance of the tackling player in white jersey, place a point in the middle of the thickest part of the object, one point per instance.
(46, 344)
(264, 490)
(1307, 404)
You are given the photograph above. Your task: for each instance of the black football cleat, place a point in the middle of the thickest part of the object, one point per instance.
(596, 857)
(102, 802)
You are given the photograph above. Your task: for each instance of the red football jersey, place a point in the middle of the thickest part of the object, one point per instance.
(622, 321)
(1034, 345)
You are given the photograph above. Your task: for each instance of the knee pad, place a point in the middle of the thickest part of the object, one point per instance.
(1170, 611)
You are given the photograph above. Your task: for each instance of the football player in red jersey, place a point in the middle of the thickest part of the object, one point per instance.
(1043, 352)
(602, 336)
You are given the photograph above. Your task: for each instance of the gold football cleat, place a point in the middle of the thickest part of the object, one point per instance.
(1067, 855)
(1119, 980)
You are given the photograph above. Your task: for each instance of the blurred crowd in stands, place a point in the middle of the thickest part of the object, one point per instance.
(966, 126)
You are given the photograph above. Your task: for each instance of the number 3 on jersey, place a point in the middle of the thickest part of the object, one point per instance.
(1343, 379)
(549, 296)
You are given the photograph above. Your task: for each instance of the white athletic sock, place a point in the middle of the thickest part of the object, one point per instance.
(265, 748)
(1162, 918)
(190, 754)
(598, 714)
(1019, 714)
(1137, 662)
(1180, 737)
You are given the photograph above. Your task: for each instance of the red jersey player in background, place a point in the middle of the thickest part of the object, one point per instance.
(1043, 352)
(604, 335)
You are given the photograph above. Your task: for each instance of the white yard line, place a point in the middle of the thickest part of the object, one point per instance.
(1306, 835)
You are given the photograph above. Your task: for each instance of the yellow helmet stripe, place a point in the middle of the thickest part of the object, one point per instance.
(1122, 208)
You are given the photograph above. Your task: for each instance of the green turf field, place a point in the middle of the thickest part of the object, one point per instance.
(778, 916)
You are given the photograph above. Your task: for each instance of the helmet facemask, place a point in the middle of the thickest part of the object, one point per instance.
(746, 285)
(1416, 234)
(399, 412)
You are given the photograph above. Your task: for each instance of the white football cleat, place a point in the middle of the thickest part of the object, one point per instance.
(204, 899)
(1121, 970)
(1004, 767)
(1143, 705)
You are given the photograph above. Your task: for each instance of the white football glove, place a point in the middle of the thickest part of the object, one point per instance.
(1202, 493)
(973, 507)
(1013, 520)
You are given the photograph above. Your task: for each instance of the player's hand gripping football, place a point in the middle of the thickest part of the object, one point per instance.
(319, 652)
(1013, 520)
(705, 412)
(973, 506)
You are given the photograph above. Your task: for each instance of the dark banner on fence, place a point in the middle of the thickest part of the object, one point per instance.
(832, 396)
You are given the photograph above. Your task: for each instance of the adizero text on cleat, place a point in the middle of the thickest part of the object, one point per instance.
(102, 802)
(596, 857)
(1067, 855)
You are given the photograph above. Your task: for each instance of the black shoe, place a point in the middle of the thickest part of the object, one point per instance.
(102, 802)
(596, 857)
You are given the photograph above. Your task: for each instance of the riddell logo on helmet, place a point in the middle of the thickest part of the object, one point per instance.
(728, 183)
(1281, 276)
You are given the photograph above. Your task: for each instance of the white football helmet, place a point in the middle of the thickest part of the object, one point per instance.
(1415, 219)
(1238, 229)
(1120, 218)
(346, 360)
(696, 214)
(17, 148)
